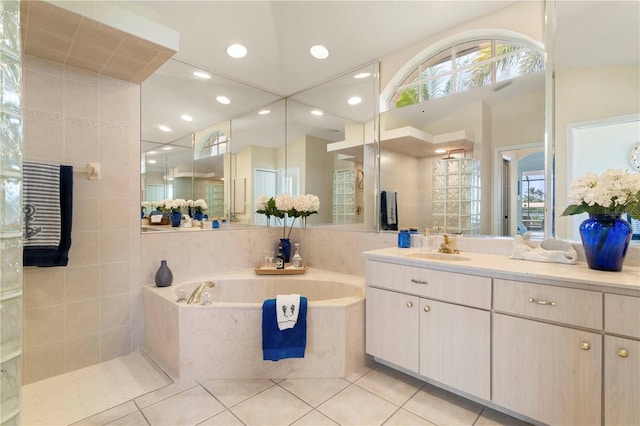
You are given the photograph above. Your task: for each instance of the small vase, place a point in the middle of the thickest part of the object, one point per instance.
(605, 239)
(197, 215)
(286, 248)
(175, 219)
(164, 276)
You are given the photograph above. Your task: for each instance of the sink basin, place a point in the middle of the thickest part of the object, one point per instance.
(437, 256)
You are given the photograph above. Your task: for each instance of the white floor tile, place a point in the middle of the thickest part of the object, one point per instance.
(275, 406)
(314, 391)
(405, 418)
(442, 407)
(491, 417)
(226, 418)
(187, 408)
(356, 406)
(315, 418)
(164, 393)
(390, 384)
(109, 415)
(133, 419)
(232, 392)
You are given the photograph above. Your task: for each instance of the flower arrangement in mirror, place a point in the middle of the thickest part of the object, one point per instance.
(172, 206)
(605, 234)
(197, 208)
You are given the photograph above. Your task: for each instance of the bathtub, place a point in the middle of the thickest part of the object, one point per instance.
(224, 339)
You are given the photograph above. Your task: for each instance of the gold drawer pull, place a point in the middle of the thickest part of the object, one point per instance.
(409, 304)
(542, 302)
(585, 346)
(413, 280)
(427, 309)
(623, 353)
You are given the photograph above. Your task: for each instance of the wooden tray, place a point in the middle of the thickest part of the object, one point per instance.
(288, 270)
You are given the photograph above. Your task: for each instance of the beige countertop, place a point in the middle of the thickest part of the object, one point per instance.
(502, 266)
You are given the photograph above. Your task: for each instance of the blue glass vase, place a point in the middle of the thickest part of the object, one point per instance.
(175, 219)
(286, 248)
(197, 215)
(605, 239)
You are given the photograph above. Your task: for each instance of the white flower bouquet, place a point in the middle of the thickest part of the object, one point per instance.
(302, 206)
(173, 206)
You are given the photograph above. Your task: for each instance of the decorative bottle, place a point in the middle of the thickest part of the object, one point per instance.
(404, 238)
(280, 258)
(164, 276)
(296, 260)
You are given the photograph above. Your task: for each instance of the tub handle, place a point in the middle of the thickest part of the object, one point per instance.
(415, 281)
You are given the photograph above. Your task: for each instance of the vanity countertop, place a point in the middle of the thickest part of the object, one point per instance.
(578, 275)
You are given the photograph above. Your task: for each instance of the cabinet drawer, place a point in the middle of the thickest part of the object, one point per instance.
(622, 315)
(447, 286)
(566, 305)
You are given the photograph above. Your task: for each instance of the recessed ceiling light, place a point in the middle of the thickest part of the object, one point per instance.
(362, 75)
(167, 148)
(152, 161)
(152, 152)
(317, 112)
(264, 112)
(441, 151)
(237, 51)
(164, 128)
(186, 117)
(319, 52)
(223, 100)
(202, 74)
(355, 100)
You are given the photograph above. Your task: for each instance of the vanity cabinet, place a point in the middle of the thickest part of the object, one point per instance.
(412, 323)
(622, 360)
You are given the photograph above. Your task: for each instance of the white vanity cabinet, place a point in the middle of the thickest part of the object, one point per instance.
(433, 323)
(622, 360)
(550, 372)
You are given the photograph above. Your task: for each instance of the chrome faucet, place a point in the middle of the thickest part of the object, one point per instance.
(447, 246)
(195, 296)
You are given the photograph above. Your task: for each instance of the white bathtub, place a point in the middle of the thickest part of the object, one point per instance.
(224, 339)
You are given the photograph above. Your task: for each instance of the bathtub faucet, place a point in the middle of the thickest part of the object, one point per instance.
(195, 296)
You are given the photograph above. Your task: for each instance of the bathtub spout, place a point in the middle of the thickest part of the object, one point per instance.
(195, 296)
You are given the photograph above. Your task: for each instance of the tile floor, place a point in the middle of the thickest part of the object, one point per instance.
(131, 391)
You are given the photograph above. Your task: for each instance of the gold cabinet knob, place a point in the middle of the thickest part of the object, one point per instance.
(623, 353)
(409, 304)
(585, 346)
(427, 309)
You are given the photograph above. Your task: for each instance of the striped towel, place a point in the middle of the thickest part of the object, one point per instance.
(42, 221)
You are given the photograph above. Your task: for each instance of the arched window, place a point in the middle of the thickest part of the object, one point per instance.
(464, 66)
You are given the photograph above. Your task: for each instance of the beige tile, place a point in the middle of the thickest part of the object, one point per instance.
(79, 75)
(441, 407)
(85, 248)
(314, 391)
(82, 317)
(114, 106)
(43, 135)
(111, 213)
(355, 406)
(44, 325)
(104, 417)
(115, 311)
(34, 63)
(86, 213)
(43, 91)
(491, 417)
(187, 408)
(314, 418)
(83, 351)
(114, 180)
(165, 392)
(43, 361)
(226, 418)
(133, 419)
(115, 343)
(405, 418)
(114, 278)
(80, 99)
(259, 410)
(114, 146)
(357, 375)
(81, 141)
(390, 384)
(231, 392)
(114, 246)
(82, 283)
(43, 287)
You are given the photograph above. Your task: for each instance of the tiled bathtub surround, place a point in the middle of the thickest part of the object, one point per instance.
(81, 315)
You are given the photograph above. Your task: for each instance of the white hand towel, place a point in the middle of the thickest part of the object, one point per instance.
(287, 307)
(391, 208)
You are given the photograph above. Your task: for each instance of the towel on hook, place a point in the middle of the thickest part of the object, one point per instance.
(389, 210)
(41, 199)
(280, 344)
(287, 308)
(40, 252)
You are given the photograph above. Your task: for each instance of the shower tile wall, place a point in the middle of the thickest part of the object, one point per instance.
(86, 312)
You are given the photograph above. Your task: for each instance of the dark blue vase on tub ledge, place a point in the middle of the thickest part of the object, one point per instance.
(175, 219)
(605, 239)
(286, 248)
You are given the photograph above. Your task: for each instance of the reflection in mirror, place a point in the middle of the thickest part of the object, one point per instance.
(597, 102)
(331, 150)
(186, 131)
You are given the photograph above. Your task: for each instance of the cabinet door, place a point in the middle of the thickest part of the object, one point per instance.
(621, 381)
(455, 346)
(392, 327)
(547, 372)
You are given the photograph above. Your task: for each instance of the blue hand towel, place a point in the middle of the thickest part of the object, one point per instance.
(288, 343)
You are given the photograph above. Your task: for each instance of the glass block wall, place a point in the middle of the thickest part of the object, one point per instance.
(10, 213)
(456, 195)
(344, 196)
